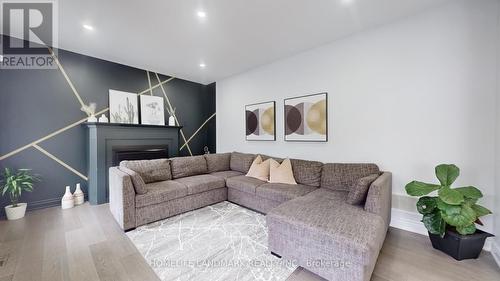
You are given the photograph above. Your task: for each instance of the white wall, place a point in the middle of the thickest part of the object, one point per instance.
(407, 96)
(496, 245)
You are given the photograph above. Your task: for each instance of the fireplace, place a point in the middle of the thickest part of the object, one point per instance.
(142, 152)
(108, 144)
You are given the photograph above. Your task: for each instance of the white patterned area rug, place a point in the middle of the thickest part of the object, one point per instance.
(219, 242)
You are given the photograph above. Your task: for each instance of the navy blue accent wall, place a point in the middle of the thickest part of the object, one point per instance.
(35, 103)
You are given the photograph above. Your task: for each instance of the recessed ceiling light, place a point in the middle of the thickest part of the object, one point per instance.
(88, 27)
(201, 14)
(347, 2)
(202, 65)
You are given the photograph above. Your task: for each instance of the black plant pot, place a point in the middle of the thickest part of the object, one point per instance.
(458, 246)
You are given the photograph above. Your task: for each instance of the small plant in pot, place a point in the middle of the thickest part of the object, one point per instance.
(452, 215)
(14, 183)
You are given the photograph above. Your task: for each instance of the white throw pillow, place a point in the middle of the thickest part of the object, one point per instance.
(281, 173)
(259, 169)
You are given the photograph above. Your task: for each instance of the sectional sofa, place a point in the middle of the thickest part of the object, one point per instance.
(310, 223)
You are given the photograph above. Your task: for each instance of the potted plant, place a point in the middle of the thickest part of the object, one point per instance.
(13, 184)
(452, 215)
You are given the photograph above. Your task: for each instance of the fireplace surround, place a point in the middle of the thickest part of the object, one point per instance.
(107, 140)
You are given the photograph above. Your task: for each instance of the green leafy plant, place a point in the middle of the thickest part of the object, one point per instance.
(456, 207)
(14, 183)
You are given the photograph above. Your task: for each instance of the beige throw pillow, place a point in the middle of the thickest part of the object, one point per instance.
(259, 169)
(281, 173)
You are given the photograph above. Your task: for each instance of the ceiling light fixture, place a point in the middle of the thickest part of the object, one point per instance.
(88, 27)
(201, 14)
(347, 2)
(202, 65)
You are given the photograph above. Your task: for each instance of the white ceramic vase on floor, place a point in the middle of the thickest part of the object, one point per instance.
(78, 195)
(67, 200)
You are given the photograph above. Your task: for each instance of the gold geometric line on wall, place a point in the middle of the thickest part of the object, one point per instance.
(57, 132)
(75, 92)
(196, 132)
(171, 110)
(60, 162)
(76, 123)
(156, 86)
(149, 82)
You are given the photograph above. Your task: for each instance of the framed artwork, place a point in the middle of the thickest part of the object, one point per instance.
(260, 121)
(306, 118)
(123, 107)
(152, 112)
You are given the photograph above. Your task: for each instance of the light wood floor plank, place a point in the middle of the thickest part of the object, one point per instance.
(80, 263)
(108, 268)
(29, 267)
(86, 244)
(137, 269)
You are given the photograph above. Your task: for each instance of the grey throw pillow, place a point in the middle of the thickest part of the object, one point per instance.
(139, 184)
(359, 190)
(150, 170)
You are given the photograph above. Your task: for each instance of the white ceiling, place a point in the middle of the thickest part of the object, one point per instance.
(168, 37)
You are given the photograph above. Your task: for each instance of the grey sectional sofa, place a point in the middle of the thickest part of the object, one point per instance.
(310, 223)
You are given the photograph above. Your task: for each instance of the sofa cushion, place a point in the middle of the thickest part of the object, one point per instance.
(201, 183)
(188, 166)
(218, 162)
(307, 172)
(358, 192)
(282, 192)
(241, 162)
(277, 159)
(244, 183)
(150, 170)
(335, 230)
(137, 181)
(343, 176)
(226, 174)
(159, 192)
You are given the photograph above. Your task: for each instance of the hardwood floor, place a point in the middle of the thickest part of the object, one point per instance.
(85, 243)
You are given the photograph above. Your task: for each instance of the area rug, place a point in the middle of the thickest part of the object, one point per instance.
(219, 242)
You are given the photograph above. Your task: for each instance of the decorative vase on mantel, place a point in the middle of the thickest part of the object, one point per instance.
(67, 201)
(92, 119)
(90, 110)
(171, 121)
(103, 119)
(78, 196)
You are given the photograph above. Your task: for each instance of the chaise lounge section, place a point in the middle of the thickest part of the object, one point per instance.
(311, 223)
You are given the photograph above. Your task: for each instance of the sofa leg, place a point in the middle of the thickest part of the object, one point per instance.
(276, 255)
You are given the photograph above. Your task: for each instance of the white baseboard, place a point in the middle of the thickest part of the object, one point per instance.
(410, 221)
(495, 251)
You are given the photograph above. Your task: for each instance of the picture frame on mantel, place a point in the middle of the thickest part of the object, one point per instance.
(123, 107)
(260, 121)
(152, 110)
(306, 118)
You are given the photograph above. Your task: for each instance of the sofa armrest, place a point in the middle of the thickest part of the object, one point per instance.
(122, 198)
(379, 197)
